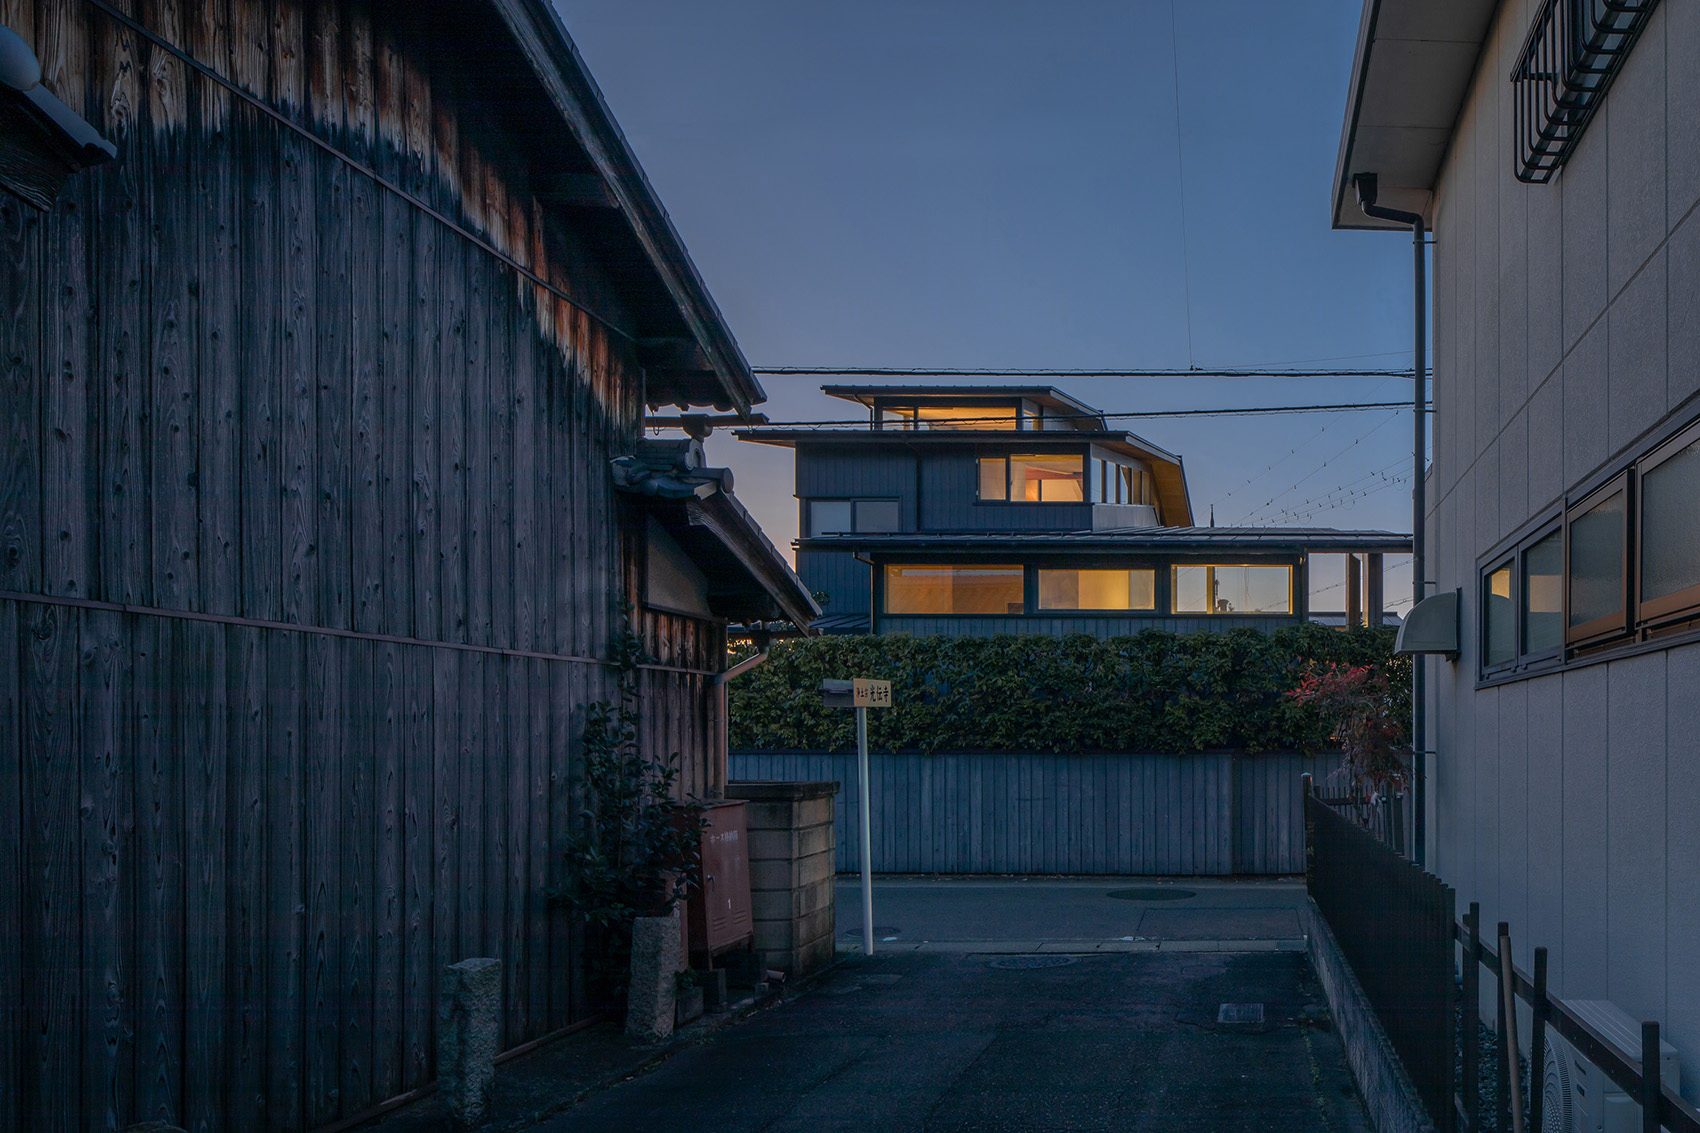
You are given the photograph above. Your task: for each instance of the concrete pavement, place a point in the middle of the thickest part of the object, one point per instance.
(1009, 1004)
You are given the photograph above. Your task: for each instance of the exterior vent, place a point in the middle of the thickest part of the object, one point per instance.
(1573, 53)
(1431, 626)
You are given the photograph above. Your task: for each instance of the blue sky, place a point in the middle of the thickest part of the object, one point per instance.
(997, 184)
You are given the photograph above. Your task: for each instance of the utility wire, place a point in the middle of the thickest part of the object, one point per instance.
(1241, 411)
(1180, 172)
(1018, 372)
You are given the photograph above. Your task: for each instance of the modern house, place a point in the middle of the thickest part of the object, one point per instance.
(326, 339)
(1554, 151)
(1017, 509)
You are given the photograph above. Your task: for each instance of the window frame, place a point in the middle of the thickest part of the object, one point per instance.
(1174, 564)
(1609, 626)
(1081, 451)
(1158, 599)
(854, 502)
(1683, 604)
(1512, 563)
(884, 567)
(1527, 658)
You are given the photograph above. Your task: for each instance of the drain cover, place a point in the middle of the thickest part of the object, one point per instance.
(1151, 894)
(1026, 963)
(1240, 1013)
(881, 932)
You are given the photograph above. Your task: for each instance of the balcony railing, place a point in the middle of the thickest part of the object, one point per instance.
(1573, 53)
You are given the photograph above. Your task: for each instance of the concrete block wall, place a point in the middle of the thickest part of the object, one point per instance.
(792, 853)
(1567, 332)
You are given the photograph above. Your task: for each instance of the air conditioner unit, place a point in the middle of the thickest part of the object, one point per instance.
(1578, 1097)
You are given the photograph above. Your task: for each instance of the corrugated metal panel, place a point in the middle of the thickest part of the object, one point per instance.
(1211, 814)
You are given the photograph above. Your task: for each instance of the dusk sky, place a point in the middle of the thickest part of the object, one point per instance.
(997, 184)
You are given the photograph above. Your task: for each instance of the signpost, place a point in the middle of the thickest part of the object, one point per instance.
(861, 694)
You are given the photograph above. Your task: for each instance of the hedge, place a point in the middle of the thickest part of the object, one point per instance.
(1152, 692)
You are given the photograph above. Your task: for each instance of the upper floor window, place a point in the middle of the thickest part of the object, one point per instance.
(1233, 588)
(1046, 478)
(1499, 617)
(1522, 595)
(1597, 575)
(1001, 418)
(924, 588)
(832, 517)
(1669, 493)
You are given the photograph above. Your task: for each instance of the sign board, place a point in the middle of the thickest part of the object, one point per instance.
(871, 694)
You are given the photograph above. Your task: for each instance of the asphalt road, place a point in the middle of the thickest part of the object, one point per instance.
(959, 1040)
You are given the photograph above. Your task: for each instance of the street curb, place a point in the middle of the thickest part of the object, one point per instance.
(1387, 1091)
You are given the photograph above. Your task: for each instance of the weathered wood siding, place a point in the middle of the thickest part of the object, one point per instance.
(308, 564)
(1113, 814)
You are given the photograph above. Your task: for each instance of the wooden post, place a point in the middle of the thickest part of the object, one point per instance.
(1540, 1010)
(1354, 593)
(1374, 584)
(1472, 1014)
(1508, 1033)
(1652, 1089)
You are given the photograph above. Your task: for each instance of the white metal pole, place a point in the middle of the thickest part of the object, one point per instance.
(867, 837)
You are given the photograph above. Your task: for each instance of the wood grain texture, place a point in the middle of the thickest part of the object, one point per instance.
(14, 1017)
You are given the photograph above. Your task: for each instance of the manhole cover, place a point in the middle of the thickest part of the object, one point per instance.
(1240, 1013)
(1026, 963)
(1151, 894)
(881, 932)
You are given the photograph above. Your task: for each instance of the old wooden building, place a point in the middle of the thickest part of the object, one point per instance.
(313, 542)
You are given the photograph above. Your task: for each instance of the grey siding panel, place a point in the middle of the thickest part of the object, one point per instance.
(1212, 814)
(841, 575)
(858, 471)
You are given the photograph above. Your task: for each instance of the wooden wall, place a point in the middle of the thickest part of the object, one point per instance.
(309, 562)
(1109, 814)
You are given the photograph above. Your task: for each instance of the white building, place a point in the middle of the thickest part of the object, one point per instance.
(1564, 497)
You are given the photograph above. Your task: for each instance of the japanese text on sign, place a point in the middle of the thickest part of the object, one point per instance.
(872, 694)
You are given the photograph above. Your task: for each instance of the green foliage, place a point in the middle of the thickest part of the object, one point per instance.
(634, 847)
(1155, 691)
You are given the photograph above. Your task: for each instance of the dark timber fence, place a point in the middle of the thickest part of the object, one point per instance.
(1393, 922)
(1213, 813)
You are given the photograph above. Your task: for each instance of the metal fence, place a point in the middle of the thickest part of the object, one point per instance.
(1210, 813)
(1393, 922)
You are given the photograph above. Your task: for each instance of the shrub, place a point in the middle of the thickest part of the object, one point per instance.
(1155, 691)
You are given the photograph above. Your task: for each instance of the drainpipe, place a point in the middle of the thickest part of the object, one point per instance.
(723, 736)
(1366, 186)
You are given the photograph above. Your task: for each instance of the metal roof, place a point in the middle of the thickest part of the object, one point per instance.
(1049, 395)
(1410, 75)
(1268, 540)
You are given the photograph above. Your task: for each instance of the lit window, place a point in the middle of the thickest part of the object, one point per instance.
(994, 478)
(976, 589)
(1097, 589)
(1233, 589)
(999, 417)
(1048, 478)
(1499, 617)
(1598, 549)
(1543, 595)
(1670, 531)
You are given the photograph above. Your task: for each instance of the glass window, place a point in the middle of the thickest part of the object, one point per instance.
(897, 417)
(1104, 481)
(829, 517)
(975, 589)
(1048, 478)
(1233, 589)
(1499, 617)
(1097, 589)
(1597, 567)
(994, 472)
(1543, 595)
(1670, 530)
(877, 515)
(1000, 417)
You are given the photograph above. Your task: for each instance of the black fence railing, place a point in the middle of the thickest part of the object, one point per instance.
(1572, 54)
(1394, 924)
(1636, 1073)
(1382, 816)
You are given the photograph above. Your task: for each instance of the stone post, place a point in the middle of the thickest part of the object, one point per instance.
(468, 1034)
(656, 958)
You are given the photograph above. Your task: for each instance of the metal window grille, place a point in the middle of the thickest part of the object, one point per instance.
(1572, 54)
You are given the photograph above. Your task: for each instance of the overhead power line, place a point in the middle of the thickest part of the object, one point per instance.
(1010, 372)
(1239, 411)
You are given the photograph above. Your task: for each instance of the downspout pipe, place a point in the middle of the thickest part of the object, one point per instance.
(1367, 186)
